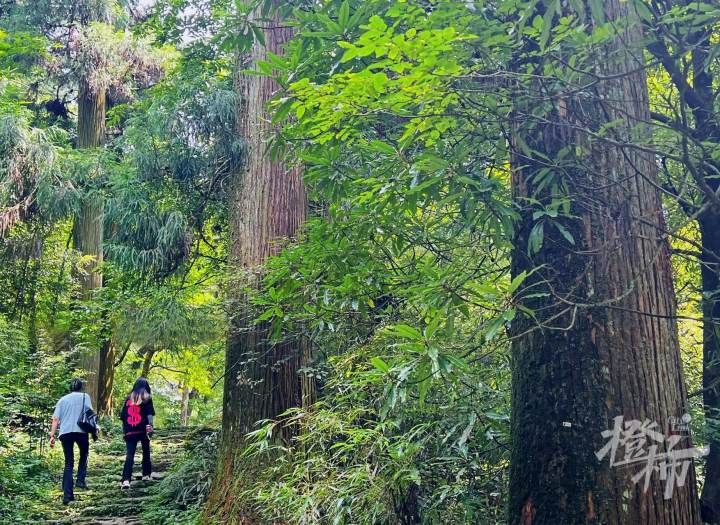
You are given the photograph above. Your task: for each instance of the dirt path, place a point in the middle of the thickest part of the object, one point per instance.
(104, 502)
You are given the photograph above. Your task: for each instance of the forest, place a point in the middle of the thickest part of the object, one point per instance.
(383, 262)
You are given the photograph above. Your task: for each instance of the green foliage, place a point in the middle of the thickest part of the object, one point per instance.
(30, 382)
(25, 479)
(387, 438)
(401, 279)
(400, 113)
(182, 492)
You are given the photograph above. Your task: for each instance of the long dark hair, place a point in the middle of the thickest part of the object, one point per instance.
(141, 391)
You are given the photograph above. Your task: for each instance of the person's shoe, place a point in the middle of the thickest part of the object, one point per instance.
(80, 485)
(125, 484)
(147, 478)
(66, 501)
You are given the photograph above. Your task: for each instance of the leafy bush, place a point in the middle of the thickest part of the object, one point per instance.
(182, 492)
(30, 381)
(25, 480)
(373, 451)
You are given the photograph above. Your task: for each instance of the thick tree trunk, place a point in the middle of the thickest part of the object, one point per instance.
(88, 226)
(707, 126)
(604, 340)
(91, 117)
(710, 271)
(267, 206)
(699, 97)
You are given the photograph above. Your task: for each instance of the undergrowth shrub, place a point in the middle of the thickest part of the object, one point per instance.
(183, 490)
(372, 451)
(31, 381)
(25, 480)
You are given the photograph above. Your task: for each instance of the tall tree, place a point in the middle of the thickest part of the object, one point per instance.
(95, 65)
(88, 235)
(69, 25)
(267, 205)
(682, 41)
(603, 340)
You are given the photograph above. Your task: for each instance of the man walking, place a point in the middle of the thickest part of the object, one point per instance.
(67, 412)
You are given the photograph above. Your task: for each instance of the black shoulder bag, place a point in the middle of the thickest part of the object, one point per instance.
(88, 420)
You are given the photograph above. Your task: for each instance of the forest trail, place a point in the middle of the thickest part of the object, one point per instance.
(104, 502)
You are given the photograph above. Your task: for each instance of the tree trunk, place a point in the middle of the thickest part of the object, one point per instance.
(603, 342)
(147, 362)
(88, 226)
(184, 406)
(106, 378)
(698, 97)
(709, 223)
(706, 125)
(267, 206)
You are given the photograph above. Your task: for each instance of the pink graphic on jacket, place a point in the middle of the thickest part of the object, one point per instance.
(134, 417)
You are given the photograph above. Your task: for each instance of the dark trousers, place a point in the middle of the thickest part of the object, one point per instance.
(69, 440)
(131, 442)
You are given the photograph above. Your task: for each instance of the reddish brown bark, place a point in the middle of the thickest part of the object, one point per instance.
(88, 226)
(267, 208)
(604, 341)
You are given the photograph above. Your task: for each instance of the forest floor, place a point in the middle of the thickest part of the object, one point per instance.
(104, 502)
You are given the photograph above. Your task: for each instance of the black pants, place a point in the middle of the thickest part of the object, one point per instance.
(131, 442)
(68, 441)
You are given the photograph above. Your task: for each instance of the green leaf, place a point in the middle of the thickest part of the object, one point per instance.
(535, 240)
(344, 15)
(565, 233)
(548, 23)
(643, 11)
(496, 416)
(406, 331)
(381, 147)
(517, 281)
(282, 111)
(259, 34)
(494, 328)
(380, 364)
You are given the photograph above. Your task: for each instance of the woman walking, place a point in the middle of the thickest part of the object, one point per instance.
(137, 417)
(67, 412)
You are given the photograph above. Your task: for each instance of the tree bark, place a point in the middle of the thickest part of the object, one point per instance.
(267, 207)
(709, 223)
(603, 342)
(698, 97)
(147, 362)
(88, 226)
(106, 378)
(706, 124)
(184, 405)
